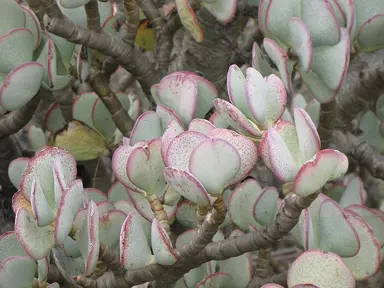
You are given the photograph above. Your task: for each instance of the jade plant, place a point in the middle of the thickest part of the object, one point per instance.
(209, 167)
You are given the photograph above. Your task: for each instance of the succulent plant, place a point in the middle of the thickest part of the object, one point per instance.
(188, 203)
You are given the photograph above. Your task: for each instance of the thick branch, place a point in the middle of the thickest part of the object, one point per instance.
(286, 219)
(121, 118)
(38, 9)
(132, 21)
(363, 85)
(93, 15)
(132, 59)
(16, 120)
(326, 123)
(364, 153)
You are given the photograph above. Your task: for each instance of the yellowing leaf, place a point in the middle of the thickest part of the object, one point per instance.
(189, 20)
(145, 37)
(82, 141)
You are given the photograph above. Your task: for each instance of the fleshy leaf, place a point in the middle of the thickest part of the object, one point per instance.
(277, 15)
(145, 168)
(187, 185)
(135, 252)
(367, 260)
(20, 41)
(167, 115)
(186, 214)
(245, 147)
(280, 58)
(323, 269)
(317, 87)
(218, 279)
(40, 167)
(82, 108)
(95, 195)
(10, 246)
(266, 206)
(110, 228)
(215, 162)
(36, 137)
(43, 213)
(87, 239)
(17, 271)
(37, 241)
(331, 62)
(102, 120)
(282, 162)
(54, 119)
(43, 269)
(224, 11)
(259, 62)
(32, 23)
(336, 232)
(71, 4)
(354, 193)
(236, 89)
(180, 93)
(174, 129)
(147, 127)
(241, 203)
(20, 85)
(16, 169)
(181, 147)
(69, 205)
(236, 119)
(11, 16)
(218, 121)
(369, 35)
(374, 220)
(189, 20)
(201, 125)
(309, 139)
(256, 94)
(315, 173)
(239, 269)
(162, 245)
(321, 20)
(301, 42)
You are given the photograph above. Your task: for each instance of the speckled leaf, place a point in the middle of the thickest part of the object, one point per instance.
(110, 227)
(42, 211)
(16, 169)
(69, 205)
(37, 241)
(301, 42)
(336, 232)
(241, 203)
(201, 125)
(354, 193)
(366, 262)
(87, 239)
(20, 85)
(322, 269)
(145, 168)
(135, 251)
(321, 20)
(162, 245)
(215, 162)
(147, 127)
(17, 271)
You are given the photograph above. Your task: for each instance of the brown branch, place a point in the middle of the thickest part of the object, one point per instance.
(121, 118)
(38, 9)
(326, 123)
(132, 59)
(363, 85)
(360, 150)
(51, 8)
(132, 16)
(93, 15)
(17, 119)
